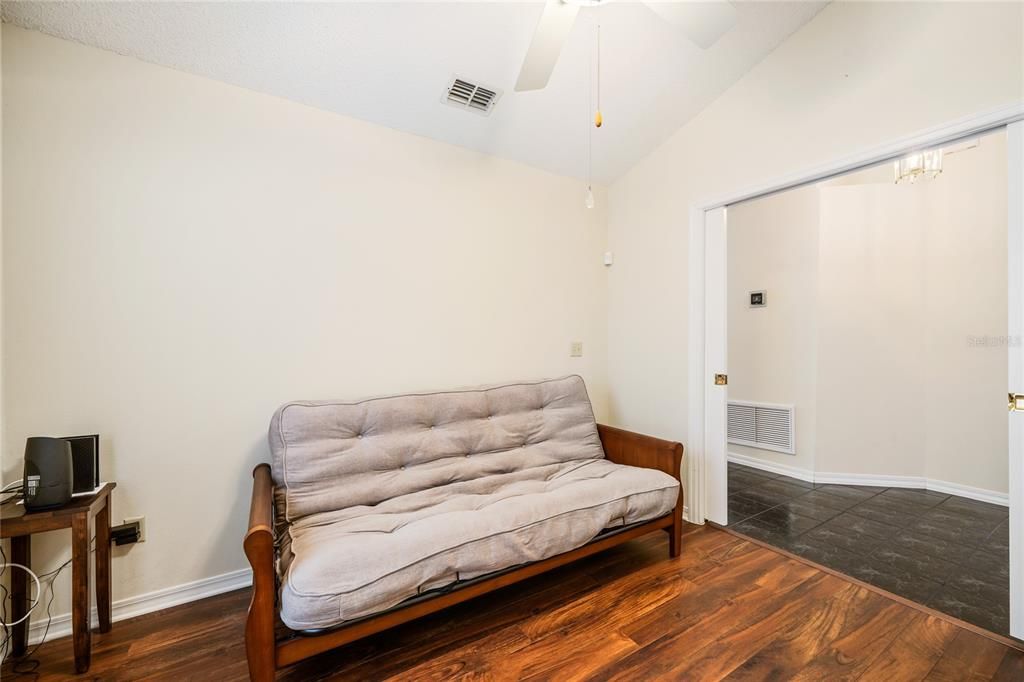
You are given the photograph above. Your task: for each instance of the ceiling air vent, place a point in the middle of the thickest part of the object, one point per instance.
(472, 96)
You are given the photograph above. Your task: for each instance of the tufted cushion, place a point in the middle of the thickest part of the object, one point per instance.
(355, 562)
(381, 500)
(332, 455)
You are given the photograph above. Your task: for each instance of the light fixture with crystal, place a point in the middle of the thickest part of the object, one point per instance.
(919, 164)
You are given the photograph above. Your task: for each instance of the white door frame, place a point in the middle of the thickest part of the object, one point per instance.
(1015, 270)
(706, 489)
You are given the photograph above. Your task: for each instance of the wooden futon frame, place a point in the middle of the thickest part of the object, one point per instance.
(268, 653)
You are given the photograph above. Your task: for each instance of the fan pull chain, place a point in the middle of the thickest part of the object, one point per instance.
(598, 119)
(588, 200)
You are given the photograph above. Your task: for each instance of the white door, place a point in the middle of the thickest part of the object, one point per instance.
(1015, 142)
(716, 393)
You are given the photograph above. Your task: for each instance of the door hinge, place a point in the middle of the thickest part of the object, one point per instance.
(1016, 402)
(723, 380)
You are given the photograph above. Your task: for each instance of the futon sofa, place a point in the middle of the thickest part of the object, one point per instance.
(378, 511)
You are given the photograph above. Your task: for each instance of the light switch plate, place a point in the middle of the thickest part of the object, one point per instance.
(576, 349)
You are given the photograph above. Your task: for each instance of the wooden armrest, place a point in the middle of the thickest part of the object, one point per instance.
(635, 449)
(261, 509)
(259, 539)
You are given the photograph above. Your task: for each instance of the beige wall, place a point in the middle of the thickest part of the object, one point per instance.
(911, 313)
(773, 245)
(967, 372)
(855, 76)
(872, 329)
(243, 249)
(182, 256)
(886, 315)
(5, 477)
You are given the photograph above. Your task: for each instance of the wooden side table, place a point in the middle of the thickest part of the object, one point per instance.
(19, 525)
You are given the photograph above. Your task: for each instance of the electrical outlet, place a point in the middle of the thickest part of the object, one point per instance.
(141, 520)
(576, 349)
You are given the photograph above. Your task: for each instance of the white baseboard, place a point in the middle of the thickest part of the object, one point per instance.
(872, 479)
(970, 492)
(784, 469)
(130, 607)
(967, 491)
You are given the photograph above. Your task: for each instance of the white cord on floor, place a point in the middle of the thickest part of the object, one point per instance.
(39, 591)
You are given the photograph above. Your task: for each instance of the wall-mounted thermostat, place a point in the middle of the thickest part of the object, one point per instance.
(758, 299)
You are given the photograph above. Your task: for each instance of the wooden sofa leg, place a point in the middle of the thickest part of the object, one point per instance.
(259, 624)
(675, 538)
(259, 628)
(260, 647)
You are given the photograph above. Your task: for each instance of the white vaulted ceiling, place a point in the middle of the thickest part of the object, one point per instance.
(389, 63)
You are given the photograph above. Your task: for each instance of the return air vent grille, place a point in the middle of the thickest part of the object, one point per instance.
(762, 425)
(472, 96)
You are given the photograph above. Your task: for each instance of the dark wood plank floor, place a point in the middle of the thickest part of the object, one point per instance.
(727, 608)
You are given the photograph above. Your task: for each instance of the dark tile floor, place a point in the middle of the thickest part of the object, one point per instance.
(944, 551)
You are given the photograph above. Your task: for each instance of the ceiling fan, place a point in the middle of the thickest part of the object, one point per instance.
(702, 22)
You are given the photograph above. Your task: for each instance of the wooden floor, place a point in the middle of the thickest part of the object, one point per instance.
(727, 608)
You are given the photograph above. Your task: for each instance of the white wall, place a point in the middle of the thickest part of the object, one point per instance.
(967, 311)
(856, 76)
(244, 249)
(182, 256)
(872, 331)
(912, 320)
(4, 478)
(773, 246)
(886, 320)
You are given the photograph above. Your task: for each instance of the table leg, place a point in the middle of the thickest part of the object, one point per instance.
(80, 590)
(103, 599)
(21, 598)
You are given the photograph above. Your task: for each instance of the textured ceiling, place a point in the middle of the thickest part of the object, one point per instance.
(389, 63)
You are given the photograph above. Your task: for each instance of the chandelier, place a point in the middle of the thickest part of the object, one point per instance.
(927, 164)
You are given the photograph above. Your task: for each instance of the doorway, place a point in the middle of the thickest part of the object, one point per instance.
(826, 504)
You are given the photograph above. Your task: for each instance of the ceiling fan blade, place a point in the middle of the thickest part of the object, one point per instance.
(552, 30)
(702, 22)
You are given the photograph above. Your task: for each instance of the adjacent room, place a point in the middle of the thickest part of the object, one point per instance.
(554, 339)
(867, 355)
